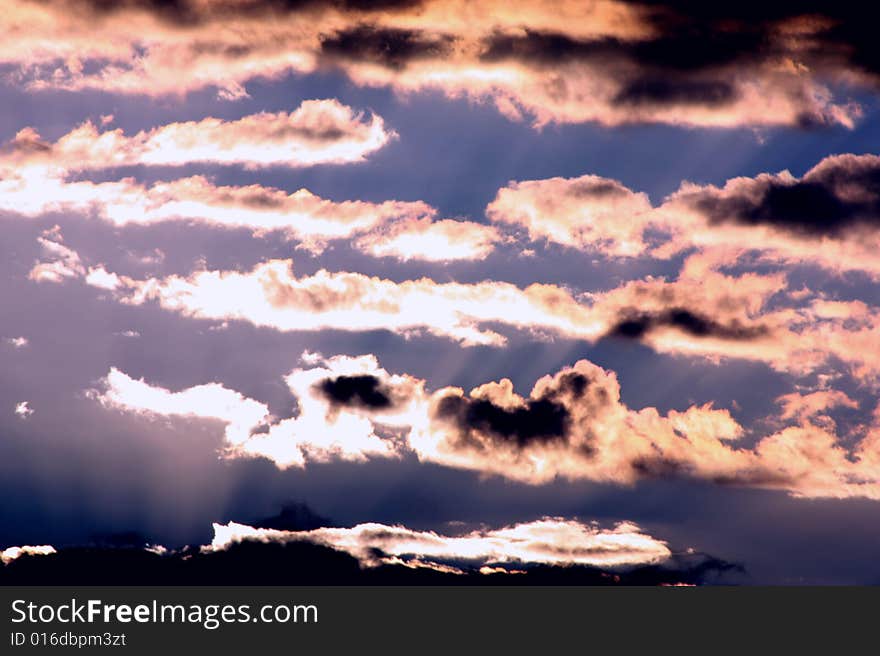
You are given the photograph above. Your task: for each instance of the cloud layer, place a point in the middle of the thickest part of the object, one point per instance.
(39, 178)
(606, 60)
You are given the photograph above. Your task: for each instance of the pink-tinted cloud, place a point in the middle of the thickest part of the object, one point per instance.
(589, 212)
(828, 218)
(572, 425)
(301, 216)
(703, 313)
(35, 179)
(604, 60)
(433, 241)
(317, 132)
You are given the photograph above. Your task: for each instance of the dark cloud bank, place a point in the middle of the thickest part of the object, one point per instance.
(121, 559)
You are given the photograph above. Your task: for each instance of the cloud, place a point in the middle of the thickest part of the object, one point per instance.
(23, 410)
(549, 541)
(637, 324)
(16, 342)
(548, 551)
(607, 61)
(840, 194)
(813, 405)
(212, 401)
(12, 553)
(317, 132)
(537, 421)
(361, 390)
(429, 240)
(36, 178)
(703, 313)
(827, 218)
(330, 422)
(572, 425)
(583, 212)
(302, 216)
(271, 295)
(62, 262)
(603, 440)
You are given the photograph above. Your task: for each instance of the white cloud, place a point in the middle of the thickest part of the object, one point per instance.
(212, 401)
(433, 241)
(11, 553)
(317, 433)
(61, 261)
(23, 410)
(549, 541)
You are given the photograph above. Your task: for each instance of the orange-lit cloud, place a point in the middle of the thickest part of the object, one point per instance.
(703, 313)
(548, 541)
(318, 132)
(799, 406)
(829, 218)
(272, 295)
(603, 60)
(301, 216)
(35, 179)
(588, 212)
(572, 425)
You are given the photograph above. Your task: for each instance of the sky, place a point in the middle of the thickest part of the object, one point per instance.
(482, 286)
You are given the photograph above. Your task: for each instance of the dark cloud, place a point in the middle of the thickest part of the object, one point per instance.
(547, 48)
(684, 65)
(678, 47)
(185, 13)
(663, 91)
(593, 188)
(391, 48)
(176, 12)
(839, 194)
(697, 51)
(658, 468)
(304, 563)
(638, 324)
(538, 421)
(120, 540)
(294, 516)
(362, 391)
